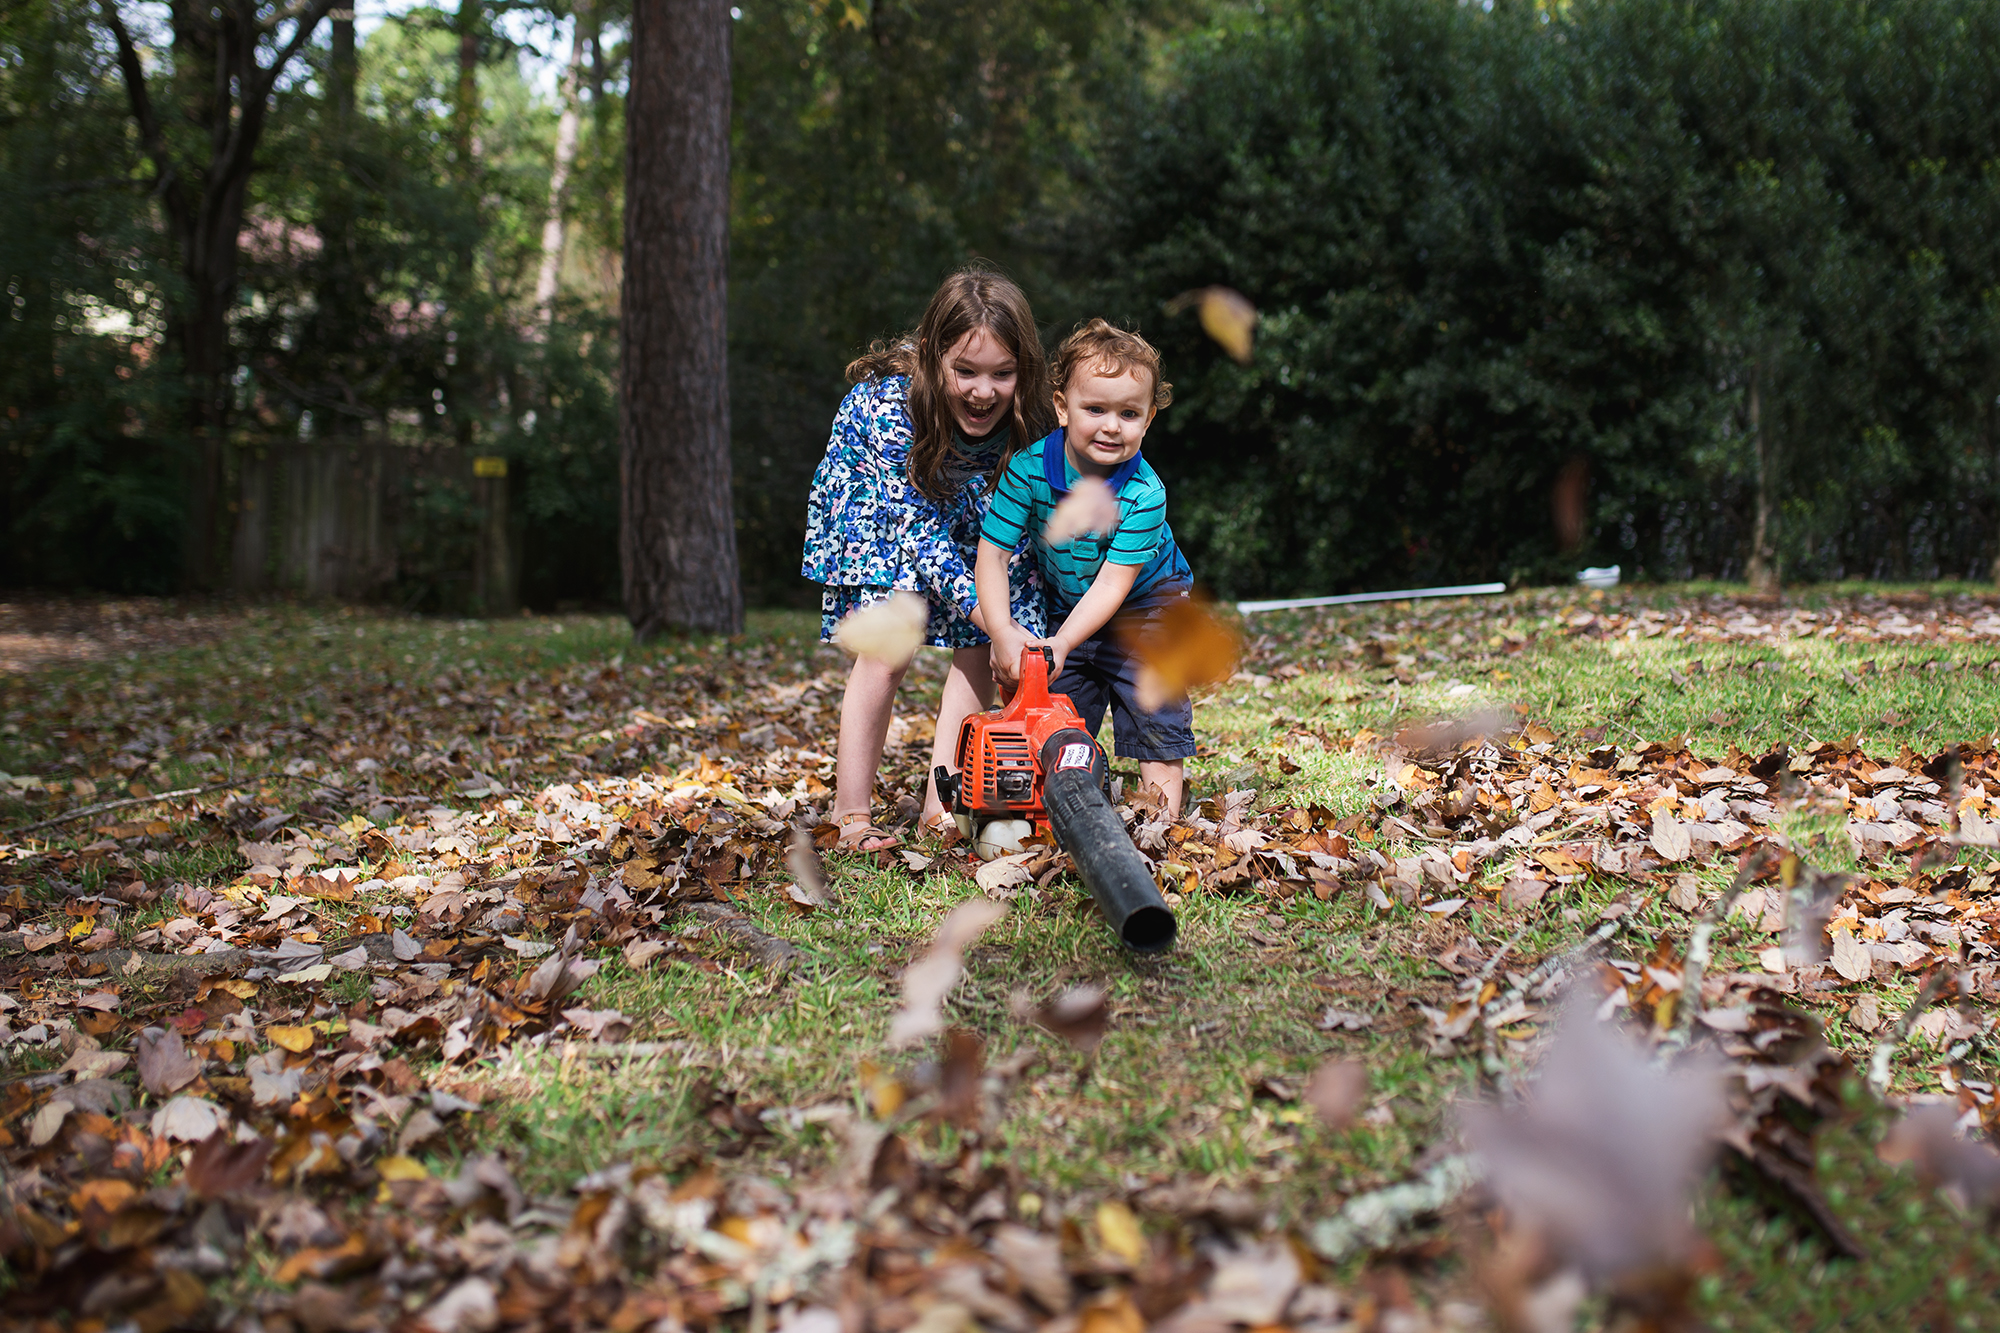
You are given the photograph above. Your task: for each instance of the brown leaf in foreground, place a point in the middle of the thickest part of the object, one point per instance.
(165, 1064)
(1966, 1169)
(807, 869)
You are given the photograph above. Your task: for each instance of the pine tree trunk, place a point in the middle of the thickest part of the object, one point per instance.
(678, 532)
(1763, 570)
(549, 280)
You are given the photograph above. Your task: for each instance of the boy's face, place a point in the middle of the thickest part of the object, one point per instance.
(1104, 418)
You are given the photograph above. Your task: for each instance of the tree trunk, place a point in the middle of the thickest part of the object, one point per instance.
(549, 279)
(1763, 570)
(678, 531)
(216, 86)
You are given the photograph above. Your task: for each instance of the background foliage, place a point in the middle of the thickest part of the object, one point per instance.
(1488, 246)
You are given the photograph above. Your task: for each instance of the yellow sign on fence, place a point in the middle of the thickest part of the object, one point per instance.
(489, 465)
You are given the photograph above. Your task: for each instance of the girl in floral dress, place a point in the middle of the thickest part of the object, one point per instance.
(896, 506)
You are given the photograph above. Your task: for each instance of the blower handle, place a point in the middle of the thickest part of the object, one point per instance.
(1038, 664)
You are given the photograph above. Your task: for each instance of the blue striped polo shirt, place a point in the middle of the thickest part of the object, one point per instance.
(1036, 480)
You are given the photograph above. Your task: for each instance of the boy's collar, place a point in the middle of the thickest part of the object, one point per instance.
(1055, 456)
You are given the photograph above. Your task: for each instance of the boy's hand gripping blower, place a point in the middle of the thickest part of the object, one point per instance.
(1031, 767)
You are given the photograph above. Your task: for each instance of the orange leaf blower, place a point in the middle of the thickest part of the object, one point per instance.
(1030, 767)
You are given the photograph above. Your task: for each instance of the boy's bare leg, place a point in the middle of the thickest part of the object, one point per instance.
(1166, 775)
(865, 710)
(967, 689)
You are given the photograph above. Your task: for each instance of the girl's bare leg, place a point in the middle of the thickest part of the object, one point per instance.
(865, 710)
(967, 689)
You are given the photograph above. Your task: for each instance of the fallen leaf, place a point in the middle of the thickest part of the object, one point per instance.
(48, 1122)
(927, 981)
(294, 1039)
(1003, 874)
(638, 953)
(396, 1167)
(470, 1307)
(1851, 959)
(188, 1119)
(527, 948)
(1118, 1232)
(165, 1064)
(1671, 838)
(1864, 1016)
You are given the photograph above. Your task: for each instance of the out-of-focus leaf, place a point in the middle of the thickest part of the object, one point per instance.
(1118, 1232)
(1091, 507)
(1336, 1091)
(927, 981)
(221, 1165)
(165, 1064)
(1184, 647)
(889, 631)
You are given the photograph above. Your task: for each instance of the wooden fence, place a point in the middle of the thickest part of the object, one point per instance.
(364, 520)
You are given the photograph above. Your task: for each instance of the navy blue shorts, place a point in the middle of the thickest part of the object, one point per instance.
(1101, 671)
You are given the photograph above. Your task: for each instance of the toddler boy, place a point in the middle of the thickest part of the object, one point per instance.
(1101, 586)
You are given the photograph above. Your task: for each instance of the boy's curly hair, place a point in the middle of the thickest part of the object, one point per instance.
(1105, 349)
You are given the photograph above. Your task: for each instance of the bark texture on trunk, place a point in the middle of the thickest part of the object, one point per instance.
(549, 279)
(1763, 570)
(678, 530)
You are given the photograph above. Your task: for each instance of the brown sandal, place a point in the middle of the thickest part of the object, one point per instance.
(858, 828)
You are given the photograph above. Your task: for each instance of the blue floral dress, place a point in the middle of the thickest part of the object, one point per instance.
(870, 531)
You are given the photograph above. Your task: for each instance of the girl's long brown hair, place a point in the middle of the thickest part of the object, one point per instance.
(972, 298)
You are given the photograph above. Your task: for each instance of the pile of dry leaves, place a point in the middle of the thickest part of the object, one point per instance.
(210, 1105)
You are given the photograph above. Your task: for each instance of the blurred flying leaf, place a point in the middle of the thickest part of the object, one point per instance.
(1226, 315)
(1079, 1015)
(928, 980)
(1568, 500)
(222, 1165)
(1336, 1090)
(888, 631)
(804, 863)
(1090, 507)
(1967, 1170)
(1600, 1157)
(1185, 646)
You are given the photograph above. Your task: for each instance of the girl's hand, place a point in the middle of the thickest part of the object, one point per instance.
(1008, 642)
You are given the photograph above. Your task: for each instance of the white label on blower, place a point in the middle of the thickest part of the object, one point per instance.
(1074, 755)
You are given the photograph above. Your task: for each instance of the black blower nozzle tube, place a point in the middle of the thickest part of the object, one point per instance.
(1095, 838)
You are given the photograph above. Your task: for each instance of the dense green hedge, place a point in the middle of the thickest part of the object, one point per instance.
(1489, 243)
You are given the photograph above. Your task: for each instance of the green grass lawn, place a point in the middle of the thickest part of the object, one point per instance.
(1197, 1081)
